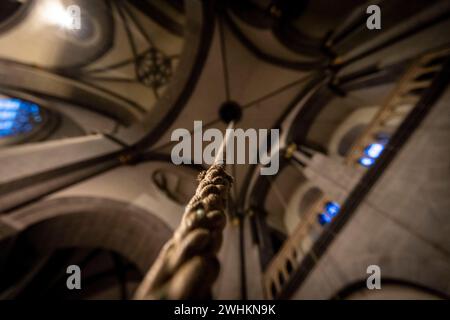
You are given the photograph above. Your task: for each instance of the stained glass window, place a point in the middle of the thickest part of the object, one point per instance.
(371, 153)
(18, 117)
(331, 210)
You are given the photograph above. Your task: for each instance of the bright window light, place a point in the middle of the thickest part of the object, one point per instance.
(9, 104)
(366, 161)
(332, 208)
(18, 116)
(323, 219)
(55, 13)
(374, 150)
(6, 125)
(7, 115)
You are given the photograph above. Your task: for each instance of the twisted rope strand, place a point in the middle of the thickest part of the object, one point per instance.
(187, 265)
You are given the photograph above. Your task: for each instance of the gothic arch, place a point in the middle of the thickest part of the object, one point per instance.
(91, 222)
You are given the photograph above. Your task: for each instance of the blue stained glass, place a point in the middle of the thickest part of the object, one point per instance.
(332, 208)
(374, 150)
(9, 104)
(6, 125)
(34, 109)
(366, 161)
(323, 219)
(18, 116)
(7, 115)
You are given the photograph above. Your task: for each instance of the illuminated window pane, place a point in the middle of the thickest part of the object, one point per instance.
(18, 117)
(366, 161)
(374, 150)
(323, 219)
(332, 208)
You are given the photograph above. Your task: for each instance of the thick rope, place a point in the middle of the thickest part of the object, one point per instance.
(187, 265)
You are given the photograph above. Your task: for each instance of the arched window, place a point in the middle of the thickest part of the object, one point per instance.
(20, 120)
